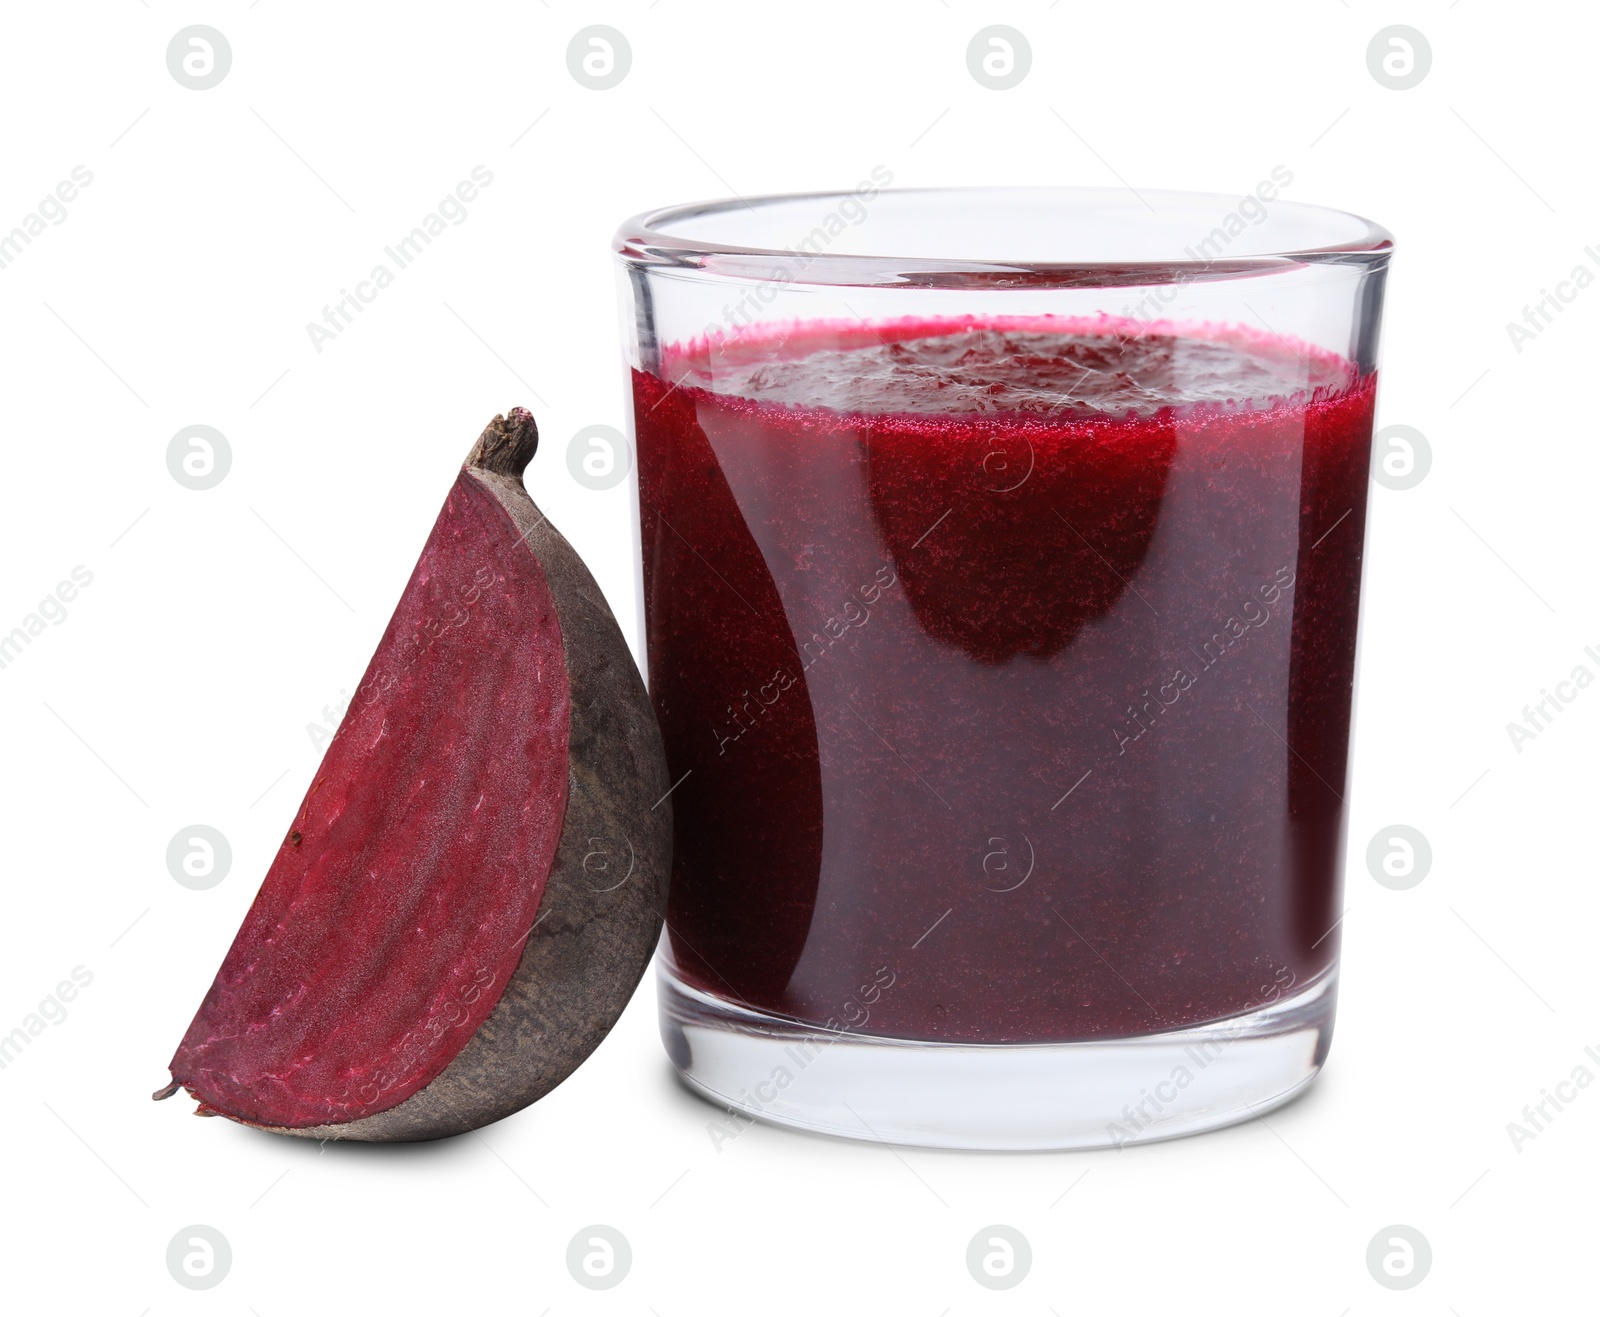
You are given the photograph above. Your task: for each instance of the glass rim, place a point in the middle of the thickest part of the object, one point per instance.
(647, 240)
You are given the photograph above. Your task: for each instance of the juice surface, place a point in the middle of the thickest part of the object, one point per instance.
(1010, 666)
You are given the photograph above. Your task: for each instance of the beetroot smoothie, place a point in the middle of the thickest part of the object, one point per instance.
(1004, 668)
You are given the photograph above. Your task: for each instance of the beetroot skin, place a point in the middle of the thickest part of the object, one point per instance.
(474, 883)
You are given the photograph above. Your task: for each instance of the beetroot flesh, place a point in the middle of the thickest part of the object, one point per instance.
(339, 1000)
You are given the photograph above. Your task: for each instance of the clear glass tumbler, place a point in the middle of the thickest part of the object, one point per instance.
(1002, 561)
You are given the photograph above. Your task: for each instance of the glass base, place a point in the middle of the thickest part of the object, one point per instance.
(1004, 1097)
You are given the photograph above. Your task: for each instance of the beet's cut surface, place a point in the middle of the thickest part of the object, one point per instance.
(474, 883)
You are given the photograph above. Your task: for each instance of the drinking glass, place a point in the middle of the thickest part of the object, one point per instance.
(1002, 562)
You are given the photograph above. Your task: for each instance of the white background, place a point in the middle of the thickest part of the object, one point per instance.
(179, 687)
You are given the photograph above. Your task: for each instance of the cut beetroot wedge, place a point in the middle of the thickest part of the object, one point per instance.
(474, 883)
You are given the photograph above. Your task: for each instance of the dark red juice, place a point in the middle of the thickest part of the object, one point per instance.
(1004, 669)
